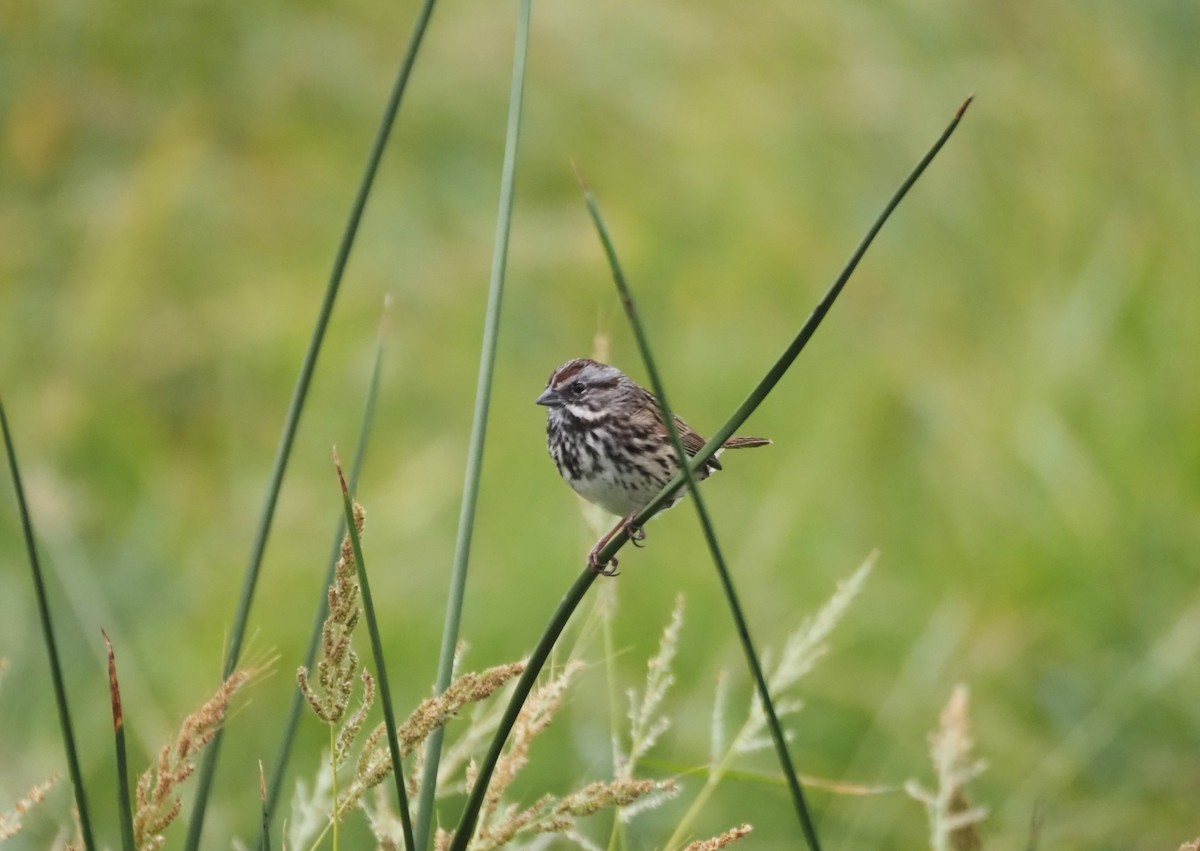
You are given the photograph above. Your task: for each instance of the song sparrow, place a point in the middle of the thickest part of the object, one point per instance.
(609, 441)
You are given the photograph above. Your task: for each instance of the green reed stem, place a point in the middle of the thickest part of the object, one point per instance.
(576, 592)
(124, 803)
(60, 689)
(483, 393)
(299, 395)
(291, 723)
(710, 535)
(264, 841)
(385, 691)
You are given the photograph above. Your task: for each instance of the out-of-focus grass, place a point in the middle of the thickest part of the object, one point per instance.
(1005, 400)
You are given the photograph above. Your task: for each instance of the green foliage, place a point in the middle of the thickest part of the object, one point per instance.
(1005, 402)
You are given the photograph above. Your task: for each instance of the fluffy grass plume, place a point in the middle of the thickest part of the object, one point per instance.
(803, 649)
(11, 821)
(953, 822)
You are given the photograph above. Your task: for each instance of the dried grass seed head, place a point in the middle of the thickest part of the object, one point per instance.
(11, 821)
(717, 842)
(338, 666)
(157, 804)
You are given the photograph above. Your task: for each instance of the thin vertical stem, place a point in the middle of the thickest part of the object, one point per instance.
(483, 392)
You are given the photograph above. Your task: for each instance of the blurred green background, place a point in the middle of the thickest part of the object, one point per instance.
(1006, 401)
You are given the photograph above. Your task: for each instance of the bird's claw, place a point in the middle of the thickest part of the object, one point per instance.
(609, 569)
(636, 534)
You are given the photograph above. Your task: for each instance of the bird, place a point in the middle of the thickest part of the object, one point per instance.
(609, 441)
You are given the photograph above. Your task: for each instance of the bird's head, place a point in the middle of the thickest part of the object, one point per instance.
(584, 389)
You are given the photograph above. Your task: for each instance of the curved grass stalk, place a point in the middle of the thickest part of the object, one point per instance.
(578, 589)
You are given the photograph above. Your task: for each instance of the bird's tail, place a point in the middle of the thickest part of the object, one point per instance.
(743, 442)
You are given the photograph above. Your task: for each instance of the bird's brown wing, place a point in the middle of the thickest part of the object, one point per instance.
(692, 442)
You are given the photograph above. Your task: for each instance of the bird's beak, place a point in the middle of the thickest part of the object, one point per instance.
(549, 398)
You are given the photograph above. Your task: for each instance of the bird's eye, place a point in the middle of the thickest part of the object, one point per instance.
(576, 388)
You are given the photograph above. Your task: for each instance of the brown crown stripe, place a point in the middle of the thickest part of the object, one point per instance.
(570, 369)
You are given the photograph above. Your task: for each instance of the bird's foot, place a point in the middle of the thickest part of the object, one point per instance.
(609, 569)
(636, 535)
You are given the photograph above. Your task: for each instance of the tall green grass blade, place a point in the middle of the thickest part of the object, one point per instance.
(385, 692)
(291, 723)
(483, 393)
(124, 803)
(710, 535)
(299, 395)
(60, 689)
(576, 592)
